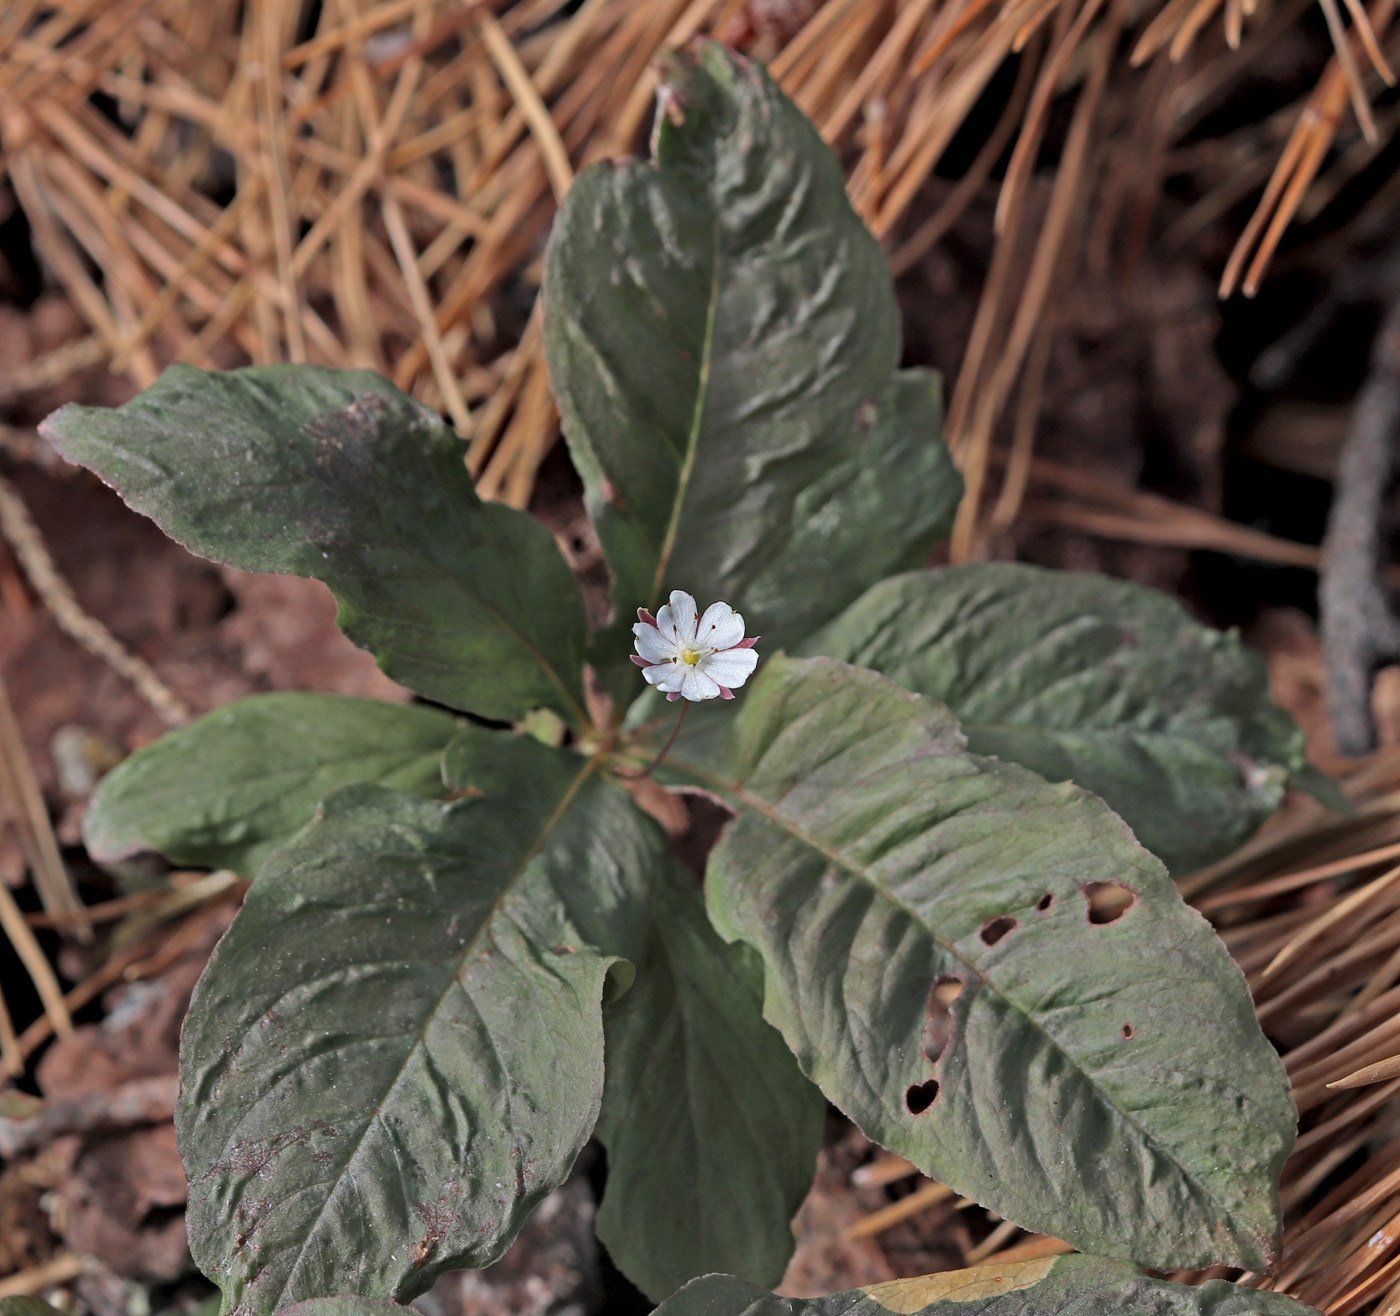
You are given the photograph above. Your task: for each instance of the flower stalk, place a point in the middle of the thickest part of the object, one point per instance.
(661, 753)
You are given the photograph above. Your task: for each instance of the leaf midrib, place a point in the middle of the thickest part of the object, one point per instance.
(396, 759)
(770, 813)
(697, 418)
(564, 805)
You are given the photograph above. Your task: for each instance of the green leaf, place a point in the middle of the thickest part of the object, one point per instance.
(711, 1130)
(1091, 680)
(222, 792)
(1102, 1081)
(1050, 1286)
(1312, 781)
(24, 1305)
(343, 1307)
(722, 337)
(397, 1049)
(700, 1090)
(338, 475)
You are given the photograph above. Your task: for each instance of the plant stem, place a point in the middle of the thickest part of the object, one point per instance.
(665, 749)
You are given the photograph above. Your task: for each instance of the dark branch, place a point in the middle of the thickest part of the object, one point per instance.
(1359, 631)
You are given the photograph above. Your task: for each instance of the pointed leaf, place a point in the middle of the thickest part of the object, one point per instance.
(936, 963)
(1049, 1286)
(1090, 680)
(722, 337)
(397, 1049)
(711, 1129)
(336, 474)
(223, 791)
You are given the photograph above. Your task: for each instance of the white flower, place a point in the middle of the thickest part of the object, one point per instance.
(693, 657)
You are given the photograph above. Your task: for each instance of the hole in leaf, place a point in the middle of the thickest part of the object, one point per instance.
(1108, 901)
(994, 929)
(1128, 1032)
(921, 1096)
(1045, 901)
(938, 1025)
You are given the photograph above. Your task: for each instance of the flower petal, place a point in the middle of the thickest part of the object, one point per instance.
(676, 621)
(658, 673)
(652, 645)
(731, 667)
(695, 685)
(672, 676)
(720, 628)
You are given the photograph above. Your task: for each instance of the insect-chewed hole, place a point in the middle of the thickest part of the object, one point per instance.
(1045, 901)
(921, 1096)
(1108, 901)
(994, 929)
(1128, 1032)
(938, 1020)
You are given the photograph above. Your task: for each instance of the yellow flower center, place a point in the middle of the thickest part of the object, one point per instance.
(690, 656)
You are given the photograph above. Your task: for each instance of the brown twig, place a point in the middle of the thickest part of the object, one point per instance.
(24, 538)
(1359, 630)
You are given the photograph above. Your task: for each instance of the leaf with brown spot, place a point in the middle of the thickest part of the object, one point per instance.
(871, 857)
(434, 1064)
(338, 475)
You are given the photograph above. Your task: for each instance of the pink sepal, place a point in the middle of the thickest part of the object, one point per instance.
(644, 615)
(725, 692)
(749, 643)
(672, 697)
(639, 660)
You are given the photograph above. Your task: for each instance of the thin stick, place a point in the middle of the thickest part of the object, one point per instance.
(1203, 531)
(1378, 1072)
(28, 545)
(1354, 1110)
(885, 1169)
(9, 1043)
(59, 1270)
(1018, 465)
(1356, 87)
(1361, 22)
(131, 963)
(443, 372)
(105, 911)
(36, 964)
(665, 749)
(1305, 877)
(923, 1197)
(1000, 1235)
(1065, 201)
(19, 789)
(1340, 911)
(267, 14)
(532, 107)
(1032, 1249)
(924, 238)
